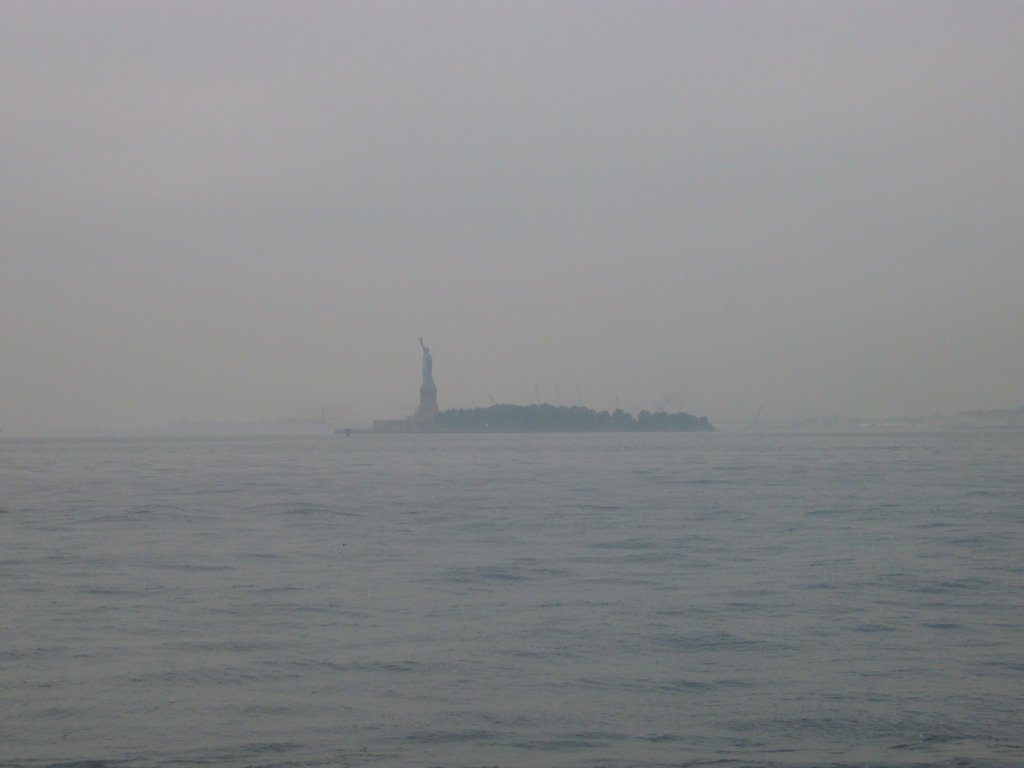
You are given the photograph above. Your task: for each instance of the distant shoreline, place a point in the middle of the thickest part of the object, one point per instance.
(505, 418)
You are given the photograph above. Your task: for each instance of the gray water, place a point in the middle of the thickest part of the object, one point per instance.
(515, 600)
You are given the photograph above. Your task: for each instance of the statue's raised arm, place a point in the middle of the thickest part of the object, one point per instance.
(428, 365)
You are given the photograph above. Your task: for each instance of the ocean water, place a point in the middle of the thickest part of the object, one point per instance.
(513, 600)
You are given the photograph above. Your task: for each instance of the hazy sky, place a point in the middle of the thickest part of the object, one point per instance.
(252, 210)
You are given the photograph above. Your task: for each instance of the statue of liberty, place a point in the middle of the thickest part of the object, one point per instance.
(428, 365)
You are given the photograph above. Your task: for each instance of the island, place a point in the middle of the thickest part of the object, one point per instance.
(524, 418)
(561, 418)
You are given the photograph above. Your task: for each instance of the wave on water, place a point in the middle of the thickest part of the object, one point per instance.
(522, 601)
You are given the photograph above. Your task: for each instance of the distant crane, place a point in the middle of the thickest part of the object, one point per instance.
(558, 395)
(579, 397)
(536, 391)
(491, 398)
(757, 416)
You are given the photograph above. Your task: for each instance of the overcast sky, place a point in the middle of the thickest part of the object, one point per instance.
(252, 210)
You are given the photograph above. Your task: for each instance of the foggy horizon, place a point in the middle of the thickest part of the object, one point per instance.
(252, 211)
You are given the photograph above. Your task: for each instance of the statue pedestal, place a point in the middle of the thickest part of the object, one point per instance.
(428, 403)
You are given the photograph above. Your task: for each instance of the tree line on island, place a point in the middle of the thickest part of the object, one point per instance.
(561, 418)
